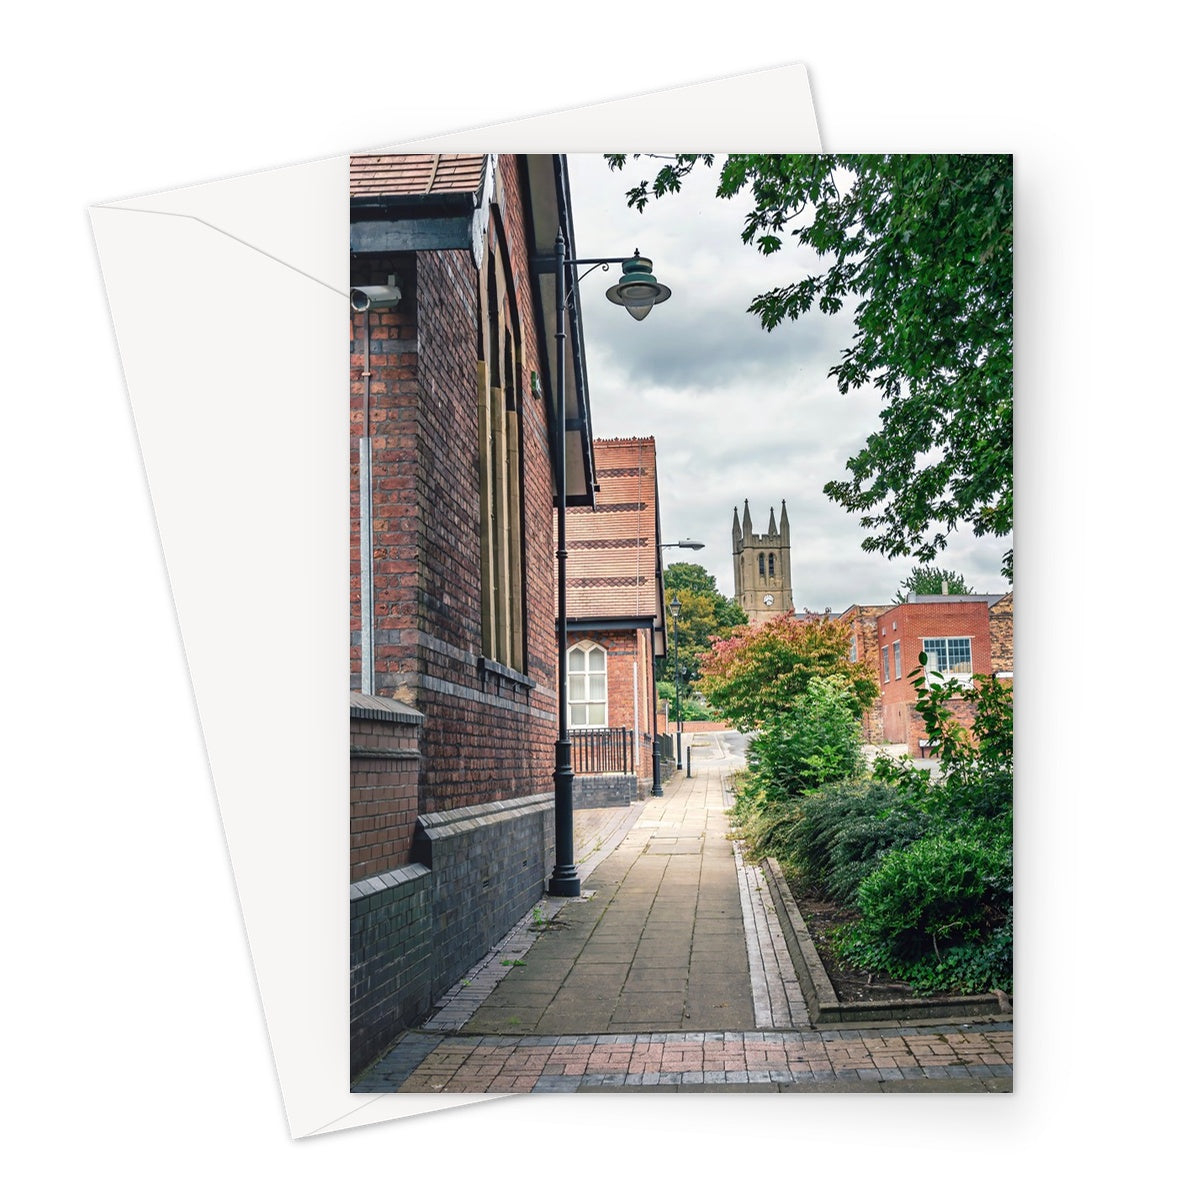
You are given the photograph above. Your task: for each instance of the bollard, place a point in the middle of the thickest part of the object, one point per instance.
(689, 774)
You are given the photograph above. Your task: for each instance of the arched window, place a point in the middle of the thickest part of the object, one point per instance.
(771, 565)
(762, 570)
(587, 686)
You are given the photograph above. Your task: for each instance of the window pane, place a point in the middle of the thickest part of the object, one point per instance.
(595, 714)
(935, 651)
(577, 714)
(577, 659)
(596, 688)
(595, 659)
(575, 689)
(958, 652)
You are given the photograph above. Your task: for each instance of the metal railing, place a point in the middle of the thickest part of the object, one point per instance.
(602, 751)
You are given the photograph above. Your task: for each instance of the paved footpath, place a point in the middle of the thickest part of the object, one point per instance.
(669, 973)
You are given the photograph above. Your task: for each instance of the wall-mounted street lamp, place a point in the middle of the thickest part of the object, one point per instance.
(656, 790)
(637, 292)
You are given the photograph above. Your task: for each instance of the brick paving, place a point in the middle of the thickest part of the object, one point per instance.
(913, 1058)
(669, 974)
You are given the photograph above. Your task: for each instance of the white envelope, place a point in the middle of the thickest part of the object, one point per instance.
(230, 303)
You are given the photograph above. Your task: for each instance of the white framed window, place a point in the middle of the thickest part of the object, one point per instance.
(587, 686)
(854, 647)
(887, 678)
(896, 657)
(948, 658)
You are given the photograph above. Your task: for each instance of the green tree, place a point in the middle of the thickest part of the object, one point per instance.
(927, 581)
(704, 614)
(761, 672)
(922, 246)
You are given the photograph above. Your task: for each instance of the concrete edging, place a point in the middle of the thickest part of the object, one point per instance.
(824, 1007)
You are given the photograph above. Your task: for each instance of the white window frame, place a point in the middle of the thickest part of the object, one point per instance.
(933, 675)
(584, 678)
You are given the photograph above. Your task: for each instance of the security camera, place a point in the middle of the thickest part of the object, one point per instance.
(374, 297)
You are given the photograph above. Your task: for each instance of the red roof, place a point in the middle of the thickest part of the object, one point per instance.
(415, 174)
(612, 552)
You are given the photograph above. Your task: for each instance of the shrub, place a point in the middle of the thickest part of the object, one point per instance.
(862, 842)
(818, 740)
(830, 839)
(938, 913)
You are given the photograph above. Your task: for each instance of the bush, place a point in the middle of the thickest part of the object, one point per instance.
(815, 742)
(830, 839)
(938, 913)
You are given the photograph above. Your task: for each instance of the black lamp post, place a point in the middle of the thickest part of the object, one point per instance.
(638, 292)
(675, 607)
(656, 790)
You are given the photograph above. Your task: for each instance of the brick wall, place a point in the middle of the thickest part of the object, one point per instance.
(1000, 627)
(489, 732)
(863, 621)
(391, 944)
(910, 624)
(384, 759)
(629, 655)
(466, 842)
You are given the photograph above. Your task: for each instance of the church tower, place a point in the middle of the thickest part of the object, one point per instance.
(762, 565)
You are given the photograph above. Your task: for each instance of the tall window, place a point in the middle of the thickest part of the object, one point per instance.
(762, 570)
(896, 657)
(771, 565)
(948, 656)
(854, 647)
(587, 686)
(887, 677)
(500, 505)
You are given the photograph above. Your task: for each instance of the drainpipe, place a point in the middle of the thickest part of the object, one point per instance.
(365, 300)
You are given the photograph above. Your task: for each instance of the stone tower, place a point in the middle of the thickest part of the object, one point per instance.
(762, 565)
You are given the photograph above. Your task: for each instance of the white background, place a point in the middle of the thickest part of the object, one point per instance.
(135, 1053)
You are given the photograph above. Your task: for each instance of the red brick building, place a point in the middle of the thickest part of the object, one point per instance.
(453, 655)
(615, 614)
(957, 633)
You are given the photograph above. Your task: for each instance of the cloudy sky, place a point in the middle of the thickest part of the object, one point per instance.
(736, 413)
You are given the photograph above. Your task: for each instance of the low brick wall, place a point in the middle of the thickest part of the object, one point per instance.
(604, 791)
(489, 865)
(384, 762)
(390, 958)
(824, 1007)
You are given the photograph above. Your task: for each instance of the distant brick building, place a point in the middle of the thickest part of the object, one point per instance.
(957, 634)
(615, 618)
(453, 658)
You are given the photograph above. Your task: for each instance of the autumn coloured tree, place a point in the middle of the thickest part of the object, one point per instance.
(761, 671)
(704, 615)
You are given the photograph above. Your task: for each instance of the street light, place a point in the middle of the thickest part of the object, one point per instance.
(637, 292)
(656, 790)
(675, 607)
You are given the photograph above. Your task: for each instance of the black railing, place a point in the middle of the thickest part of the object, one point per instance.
(602, 751)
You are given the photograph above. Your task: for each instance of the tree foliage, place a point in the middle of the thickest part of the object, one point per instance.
(762, 671)
(921, 245)
(704, 615)
(927, 581)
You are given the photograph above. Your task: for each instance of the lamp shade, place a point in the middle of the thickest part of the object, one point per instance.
(638, 291)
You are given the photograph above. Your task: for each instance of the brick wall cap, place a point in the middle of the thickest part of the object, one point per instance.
(380, 708)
